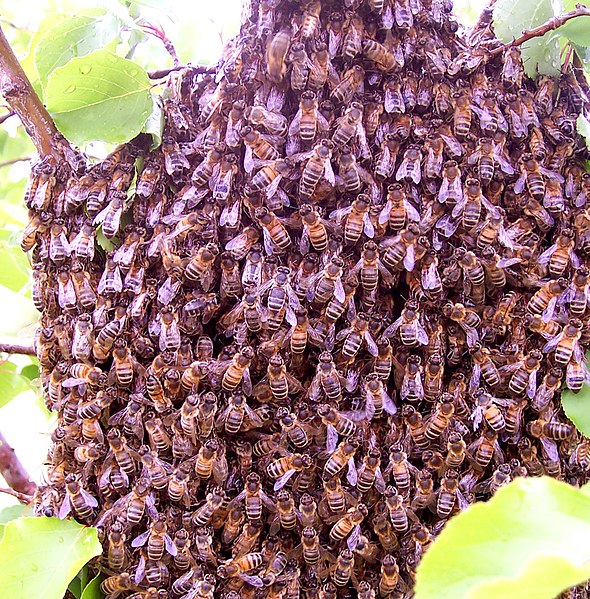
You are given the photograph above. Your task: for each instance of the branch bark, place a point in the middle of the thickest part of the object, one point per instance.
(13, 348)
(18, 92)
(550, 25)
(13, 471)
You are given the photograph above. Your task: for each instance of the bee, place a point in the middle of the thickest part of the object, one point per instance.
(412, 332)
(213, 501)
(282, 469)
(566, 344)
(546, 427)
(466, 318)
(559, 255)
(401, 248)
(238, 567)
(76, 498)
(379, 54)
(157, 539)
(410, 167)
(547, 389)
(532, 174)
(295, 430)
(417, 427)
(349, 84)
(524, 377)
(462, 113)
(544, 301)
(385, 163)
(440, 420)
(276, 54)
(273, 122)
(117, 583)
(486, 408)
(449, 493)
(398, 210)
(483, 365)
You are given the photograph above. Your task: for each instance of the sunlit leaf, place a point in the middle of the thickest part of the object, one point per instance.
(14, 268)
(530, 539)
(512, 17)
(11, 382)
(99, 96)
(75, 36)
(92, 589)
(583, 127)
(577, 408)
(12, 512)
(41, 555)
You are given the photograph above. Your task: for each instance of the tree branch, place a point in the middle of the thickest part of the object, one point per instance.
(22, 497)
(13, 348)
(18, 92)
(550, 25)
(13, 471)
(199, 70)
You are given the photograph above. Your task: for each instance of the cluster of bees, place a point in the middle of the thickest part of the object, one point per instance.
(334, 308)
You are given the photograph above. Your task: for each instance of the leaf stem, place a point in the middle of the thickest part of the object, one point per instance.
(18, 92)
(198, 70)
(14, 472)
(22, 497)
(550, 25)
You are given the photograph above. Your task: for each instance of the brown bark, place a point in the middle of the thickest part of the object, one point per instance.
(14, 473)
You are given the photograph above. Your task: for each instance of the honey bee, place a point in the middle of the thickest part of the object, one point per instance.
(274, 123)
(349, 84)
(566, 344)
(238, 567)
(412, 332)
(410, 168)
(77, 499)
(283, 469)
(544, 301)
(559, 255)
(483, 365)
(276, 54)
(462, 114)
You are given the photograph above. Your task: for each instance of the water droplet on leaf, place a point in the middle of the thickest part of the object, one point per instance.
(70, 89)
(85, 69)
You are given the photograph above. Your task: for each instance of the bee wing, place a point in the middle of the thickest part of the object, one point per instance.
(248, 160)
(409, 260)
(532, 385)
(339, 293)
(283, 480)
(506, 262)
(475, 378)
(546, 255)
(519, 185)
(459, 206)
(446, 225)
(268, 242)
(549, 447)
(252, 580)
(384, 214)
(230, 214)
(371, 345)
(553, 342)
(140, 572)
(549, 310)
(170, 546)
(421, 334)
(65, 508)
(379, 481)
(388, 404)
(393, 327)
(369, 229)
(505, 239)
(351, 474)
(354, 537)
(141, 539)
(331, 438)
(329, 173)
(351, 381)
(502, 161)
(247, 382)
(471, 335)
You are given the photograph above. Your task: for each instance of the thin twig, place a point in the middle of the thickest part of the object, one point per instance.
(6, 116)
(550, 25)
(13, 471)
(198, 70)
(22, 497)
(18, 92)
(14, 161)
(14, 348)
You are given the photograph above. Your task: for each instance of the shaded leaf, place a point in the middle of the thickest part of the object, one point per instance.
(75, 36)
(577, 408)
(30, 372)
(41, 555)
(512, 17)
(534, 534)
(155, 122)
(12, 512)
(577, 30)
(92, 589)
(99, 96)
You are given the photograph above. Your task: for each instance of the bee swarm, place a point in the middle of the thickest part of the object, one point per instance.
(335, 307)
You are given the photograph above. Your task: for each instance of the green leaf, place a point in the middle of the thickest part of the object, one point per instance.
(583, 127)
(532, 538)
(75, 587)
(577, 30)
(14, 267)
(30, 372)
(76, 36)
(99, 97)
(92, 589)
(155, 122)
(11, 383)
(12, 512)
(41, 555)
(512, 17)
(577, 408)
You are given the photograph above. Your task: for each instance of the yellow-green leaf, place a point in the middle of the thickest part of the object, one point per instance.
(531, 539)
(40, 556)
(99, 96)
